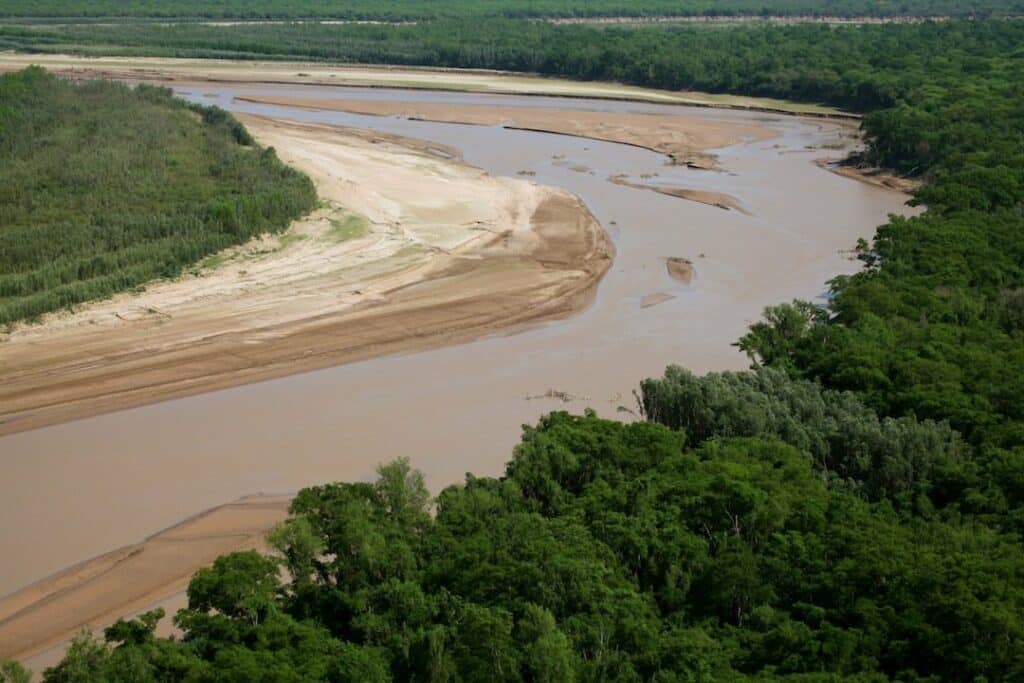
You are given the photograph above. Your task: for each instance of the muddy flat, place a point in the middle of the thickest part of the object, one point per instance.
(651, 300)
(871, 176)
(680, 269)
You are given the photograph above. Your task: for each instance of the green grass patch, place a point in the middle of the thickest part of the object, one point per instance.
(352, 226)
(410, 250)
(290, 238)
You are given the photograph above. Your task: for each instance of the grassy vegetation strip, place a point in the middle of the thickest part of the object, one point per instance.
(104, 187)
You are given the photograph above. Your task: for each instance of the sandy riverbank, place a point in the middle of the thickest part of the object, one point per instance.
(871, 175)
(172, 70)
(682, 138)
(412, 249)
(95, 593)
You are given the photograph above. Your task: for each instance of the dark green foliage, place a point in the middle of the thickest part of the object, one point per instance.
(396, 10)
(104, 187)
(607, 552)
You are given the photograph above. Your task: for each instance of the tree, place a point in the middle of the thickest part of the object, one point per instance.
(13, 672)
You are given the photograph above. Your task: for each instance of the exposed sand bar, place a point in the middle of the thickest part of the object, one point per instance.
(720, 200)
(95, 593)
(414, 249)
(871, 175)
(681, 138)
(168, 69)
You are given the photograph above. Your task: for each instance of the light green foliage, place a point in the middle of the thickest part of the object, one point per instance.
(894, 458)
(13, 672)
(240, 587)
(351, 227)
(104, 187)
(299, 545)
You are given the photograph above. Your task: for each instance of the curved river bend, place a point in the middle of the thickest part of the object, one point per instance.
(72, 491)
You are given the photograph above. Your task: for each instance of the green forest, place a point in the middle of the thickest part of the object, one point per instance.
(851, 508)
(407, 10)
(105, 187)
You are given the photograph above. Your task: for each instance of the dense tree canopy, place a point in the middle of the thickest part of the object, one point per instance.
(105, 187)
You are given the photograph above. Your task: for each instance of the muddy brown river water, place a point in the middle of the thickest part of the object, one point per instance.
(74, 490)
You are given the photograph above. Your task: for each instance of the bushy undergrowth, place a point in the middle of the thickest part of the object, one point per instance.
(105, 187)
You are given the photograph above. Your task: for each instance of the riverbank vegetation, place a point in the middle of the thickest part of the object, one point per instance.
(105, 187)
(420, 10)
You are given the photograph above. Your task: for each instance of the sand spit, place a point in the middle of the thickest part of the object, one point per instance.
(97, 592)
(681, 138)
(720, 200)
(412, 249)
(871, 175)
(178, 70)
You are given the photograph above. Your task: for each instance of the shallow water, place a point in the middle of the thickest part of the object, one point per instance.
(71, 491)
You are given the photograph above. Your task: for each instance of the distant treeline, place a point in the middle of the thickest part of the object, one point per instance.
(419, 10)
(105, 187)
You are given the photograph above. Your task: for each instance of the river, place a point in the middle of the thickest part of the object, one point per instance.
(71, 491)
